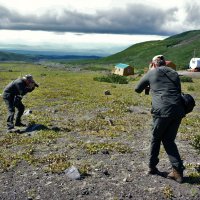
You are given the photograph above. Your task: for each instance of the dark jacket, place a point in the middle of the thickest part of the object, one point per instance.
(16, 87)
(165, 92)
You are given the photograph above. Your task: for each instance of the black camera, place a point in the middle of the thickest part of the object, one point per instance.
(146, 90)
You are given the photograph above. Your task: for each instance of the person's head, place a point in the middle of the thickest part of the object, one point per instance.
(158, 61)
(30, 81)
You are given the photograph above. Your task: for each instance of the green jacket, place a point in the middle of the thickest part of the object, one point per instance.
(165, 92)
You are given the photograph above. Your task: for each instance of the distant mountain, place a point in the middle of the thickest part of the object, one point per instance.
(27, 55)
(65, 57)
(7, 56)
(179, 48)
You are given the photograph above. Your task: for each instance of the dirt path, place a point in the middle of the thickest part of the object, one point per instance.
(190, 74)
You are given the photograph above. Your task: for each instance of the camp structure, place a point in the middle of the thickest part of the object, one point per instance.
(194, 64)
(123, 69)
(170, 64)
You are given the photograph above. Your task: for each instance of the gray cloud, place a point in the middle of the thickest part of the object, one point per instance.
(193, 14)
(135, 19)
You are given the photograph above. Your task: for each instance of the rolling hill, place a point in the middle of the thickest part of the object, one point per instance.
(8, 56)
(179, 48)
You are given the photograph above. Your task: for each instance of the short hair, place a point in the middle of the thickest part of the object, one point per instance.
(159, 62)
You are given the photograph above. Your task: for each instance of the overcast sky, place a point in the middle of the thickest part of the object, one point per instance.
(99, 27)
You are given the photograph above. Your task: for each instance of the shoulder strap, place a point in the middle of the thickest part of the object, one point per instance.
(171, 79)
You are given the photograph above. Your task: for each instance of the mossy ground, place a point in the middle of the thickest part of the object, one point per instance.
(105, 136)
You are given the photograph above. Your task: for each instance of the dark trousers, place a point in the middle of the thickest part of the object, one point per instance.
(165, 130)
(11, 104)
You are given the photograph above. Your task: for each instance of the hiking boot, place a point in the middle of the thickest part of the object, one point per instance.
(176, 175)
(153, 171)
(20, 124)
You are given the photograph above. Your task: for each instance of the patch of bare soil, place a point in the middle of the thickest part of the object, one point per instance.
(113, 175)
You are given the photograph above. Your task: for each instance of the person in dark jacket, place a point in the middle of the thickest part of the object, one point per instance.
(12, 96)
(167, 111)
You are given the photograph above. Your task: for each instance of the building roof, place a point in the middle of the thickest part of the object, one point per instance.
(121, 65)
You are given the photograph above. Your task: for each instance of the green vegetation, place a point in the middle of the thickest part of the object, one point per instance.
(112, 78)
(93, 148)
(196, 142)
(186, 79)
(168, 192)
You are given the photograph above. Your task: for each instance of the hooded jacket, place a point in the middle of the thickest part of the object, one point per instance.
(165, 89)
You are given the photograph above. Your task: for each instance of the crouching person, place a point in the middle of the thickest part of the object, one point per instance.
(12, 96)
(167, 111)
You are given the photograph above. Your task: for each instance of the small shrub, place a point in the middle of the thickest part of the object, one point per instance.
(140, 72)
(168, 192)
(96, 68)
(112, 78)
(186, 79)
(196, 142)
(190, 88)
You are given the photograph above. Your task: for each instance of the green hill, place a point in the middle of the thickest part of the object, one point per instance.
(178, 48)
(8, 56)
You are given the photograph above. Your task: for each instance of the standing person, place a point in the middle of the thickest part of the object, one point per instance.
(12, 96)
(167, 111)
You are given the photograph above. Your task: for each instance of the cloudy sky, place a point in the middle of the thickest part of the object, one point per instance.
(98, 27)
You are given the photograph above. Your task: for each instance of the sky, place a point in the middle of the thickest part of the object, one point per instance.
(92, 27)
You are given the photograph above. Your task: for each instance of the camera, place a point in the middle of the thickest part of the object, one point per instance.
(146, 90)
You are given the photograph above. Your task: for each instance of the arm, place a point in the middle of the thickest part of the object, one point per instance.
(21, 87)
(143, 83)
(31, 86)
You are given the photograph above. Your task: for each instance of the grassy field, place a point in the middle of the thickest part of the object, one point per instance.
(72, 103)
(68, 101)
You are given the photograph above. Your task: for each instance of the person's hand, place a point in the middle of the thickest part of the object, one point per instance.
(36, 85)
(31, 85)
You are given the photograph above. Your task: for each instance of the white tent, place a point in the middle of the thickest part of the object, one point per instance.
(194, 63)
